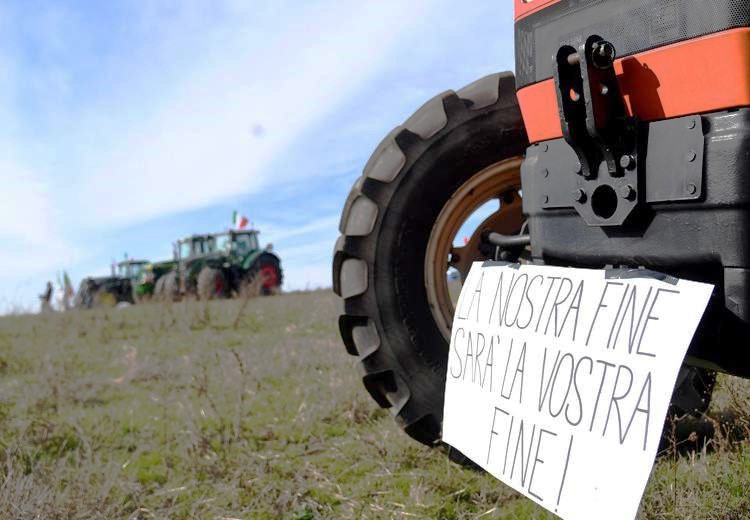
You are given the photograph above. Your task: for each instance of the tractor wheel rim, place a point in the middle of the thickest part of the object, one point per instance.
(269, 277)
(500, 181)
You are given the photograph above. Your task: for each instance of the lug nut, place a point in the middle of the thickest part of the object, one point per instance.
(627, 162)
(627, 192)
(579, 195)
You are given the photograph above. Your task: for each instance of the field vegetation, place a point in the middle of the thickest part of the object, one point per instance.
(250, 408)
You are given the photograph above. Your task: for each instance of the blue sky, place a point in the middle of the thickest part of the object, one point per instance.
(126, 125)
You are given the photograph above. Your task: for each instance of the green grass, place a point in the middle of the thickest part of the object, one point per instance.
(225, 410)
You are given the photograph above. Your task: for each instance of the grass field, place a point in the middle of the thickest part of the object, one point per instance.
(247, 410)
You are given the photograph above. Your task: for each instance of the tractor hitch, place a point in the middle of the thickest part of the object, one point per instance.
(595, 125)
(609, 164)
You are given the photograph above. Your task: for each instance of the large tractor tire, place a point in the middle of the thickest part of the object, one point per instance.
(212, 284)
(158, 293)
(125, 293)
(103, 299)
(692, 392)
(170, 287)
(265, 275)
(458, 152)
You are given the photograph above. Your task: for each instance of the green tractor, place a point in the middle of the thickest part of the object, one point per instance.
(151, 281)
(107, 291)
(218, 265)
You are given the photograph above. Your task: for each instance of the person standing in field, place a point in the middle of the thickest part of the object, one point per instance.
(45, 298)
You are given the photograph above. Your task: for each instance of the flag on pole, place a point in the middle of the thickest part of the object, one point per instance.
(239, 221)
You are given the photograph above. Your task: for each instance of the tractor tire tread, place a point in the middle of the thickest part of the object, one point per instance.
(353, 263)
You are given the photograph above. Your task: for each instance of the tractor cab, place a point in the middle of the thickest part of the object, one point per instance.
(243, 242)
(195, 246)
(239, 243)
(131, 269)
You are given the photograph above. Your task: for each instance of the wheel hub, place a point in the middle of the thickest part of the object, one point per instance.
(500, 181)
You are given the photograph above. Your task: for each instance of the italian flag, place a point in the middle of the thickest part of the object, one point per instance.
(239, 221)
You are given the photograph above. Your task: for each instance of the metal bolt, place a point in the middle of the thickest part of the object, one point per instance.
(604, 90)
(603, 54)
(579, 195)
(690, 156)
(574, 96)
(691, 123)
(627, 192)
(627, 162)
(692, 188)
(545, 147)
(577, 167)
(545, 172)
(545, 199)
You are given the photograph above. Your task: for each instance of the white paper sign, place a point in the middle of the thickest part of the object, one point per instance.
(559, 380)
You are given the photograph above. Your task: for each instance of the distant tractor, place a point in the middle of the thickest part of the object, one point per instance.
(98, 291)
(151, 281)
(219, 265)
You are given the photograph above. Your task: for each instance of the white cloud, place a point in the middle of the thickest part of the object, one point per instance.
(198, 145)
(25, 210)
(33, 246)
(315, 226)
(29, 230)
(147, 108)
(97, 133)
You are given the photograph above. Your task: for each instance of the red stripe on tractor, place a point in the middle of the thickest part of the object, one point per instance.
(706, 74)
(526, 7)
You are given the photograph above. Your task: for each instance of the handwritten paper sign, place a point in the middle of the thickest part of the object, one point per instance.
(559, 380)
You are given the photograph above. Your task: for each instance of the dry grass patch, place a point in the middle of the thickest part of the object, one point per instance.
(250, 408)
